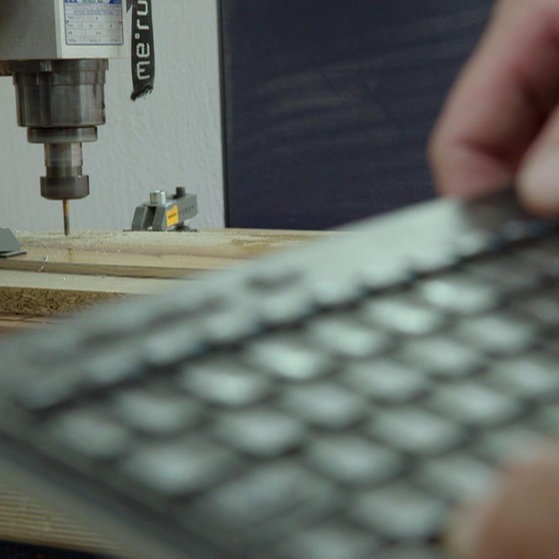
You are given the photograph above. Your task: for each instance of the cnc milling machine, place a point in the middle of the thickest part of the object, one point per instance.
(57, 52)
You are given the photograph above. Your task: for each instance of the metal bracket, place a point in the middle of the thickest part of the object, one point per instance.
(165, 212)
(9, 245)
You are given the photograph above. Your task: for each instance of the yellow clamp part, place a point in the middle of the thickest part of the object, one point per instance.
(172, 216)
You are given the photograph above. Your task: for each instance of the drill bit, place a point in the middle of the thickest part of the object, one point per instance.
(66, 212)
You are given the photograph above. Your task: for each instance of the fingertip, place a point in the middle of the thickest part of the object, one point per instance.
(538, 183)
(465, 173)
(464, 531)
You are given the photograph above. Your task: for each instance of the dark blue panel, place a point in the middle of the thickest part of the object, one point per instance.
(329, 103)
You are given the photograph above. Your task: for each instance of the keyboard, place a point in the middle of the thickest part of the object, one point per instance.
(335, 401)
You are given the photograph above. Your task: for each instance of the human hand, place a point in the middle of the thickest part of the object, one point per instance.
(520, 520)
(501, 121)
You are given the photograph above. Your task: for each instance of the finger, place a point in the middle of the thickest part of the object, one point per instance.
(538, 181)
(500, 101)
(520, 520)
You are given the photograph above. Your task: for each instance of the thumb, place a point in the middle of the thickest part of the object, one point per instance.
(538, 177)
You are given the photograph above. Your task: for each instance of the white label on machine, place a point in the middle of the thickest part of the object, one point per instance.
(93, 22)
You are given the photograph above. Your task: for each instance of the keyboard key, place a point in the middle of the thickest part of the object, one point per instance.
(330, 540)
(267, 502)
(456, 477)
(285, 307)
(505, 274)
(534, 376)
(353, 461)
(403, 316)
(499, 334)
(543, 256)
(511, 442)
(177, 469)
(333, 291)
(229, 324)
(475, 405)
(272, 279)
(156, 413)
(411, 552)
(287, 357)
(225, 383)
(170, 344)
(386, 381)
(543, 308)
(416, 431)
(91, 433)
(260, 432)
(324, 405)
(49, 391)
(347, 338)
(460, 294)
(400, 511)
(548, 419)
(442, 357)
(120, 364)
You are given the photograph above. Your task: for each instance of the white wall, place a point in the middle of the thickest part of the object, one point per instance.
(168, 139)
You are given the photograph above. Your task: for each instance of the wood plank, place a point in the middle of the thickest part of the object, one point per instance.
(24, 520)
(148, 254)
(34, 294)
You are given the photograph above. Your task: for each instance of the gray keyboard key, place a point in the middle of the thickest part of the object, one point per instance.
(118, 365)
(49, 391)
(542, 307)
(442, 357)
(334, 291)
(511, 442)
(400, 511)
(171, 343)
(534, 376)
(229, 324)
(411, 552)
(544, 257)
(456, 477)
(499, 334)
(287, 306)
(460, 294)
(287, 357)
(91, 433)
(403, 316)
(271, 279)
(266, 502)
(386, 380)
(179, 468)
(505, 274)
(353, 461)
(330, 540)
(548, 420)
(347, 338)
(260, 432)
(416, 431)
(156, 413)
(324, 405)
(225, 383)
(475, 405)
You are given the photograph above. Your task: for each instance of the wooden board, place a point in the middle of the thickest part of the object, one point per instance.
(24, 520)
(142, 254)
(60, 275)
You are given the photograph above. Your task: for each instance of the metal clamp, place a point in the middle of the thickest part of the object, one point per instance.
(9, 245)
(165, 212)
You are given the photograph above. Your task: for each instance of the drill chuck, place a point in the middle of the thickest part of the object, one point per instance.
(61, 102)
